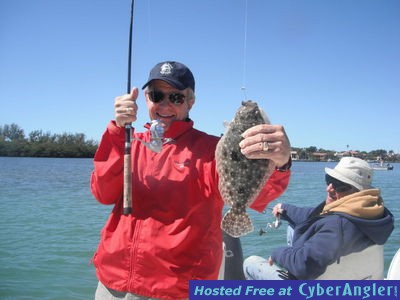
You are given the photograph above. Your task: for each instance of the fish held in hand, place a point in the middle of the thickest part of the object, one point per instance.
(240, 179)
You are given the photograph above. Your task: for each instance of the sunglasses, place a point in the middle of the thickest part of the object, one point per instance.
(175, 98)
(337, 185)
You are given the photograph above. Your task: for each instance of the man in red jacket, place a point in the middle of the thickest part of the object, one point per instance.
(173, 234)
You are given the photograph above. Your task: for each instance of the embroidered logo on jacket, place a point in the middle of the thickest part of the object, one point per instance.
(181, 165)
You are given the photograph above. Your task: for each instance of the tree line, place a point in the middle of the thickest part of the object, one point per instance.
(13, 142)
(313, 153)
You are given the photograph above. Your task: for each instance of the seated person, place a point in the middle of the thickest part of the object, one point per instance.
(352, 218)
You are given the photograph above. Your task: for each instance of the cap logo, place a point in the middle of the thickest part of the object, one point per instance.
(166, 69)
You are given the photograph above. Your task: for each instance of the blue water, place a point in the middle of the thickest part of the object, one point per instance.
(50, 223)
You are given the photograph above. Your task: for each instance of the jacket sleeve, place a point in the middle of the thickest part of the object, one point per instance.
(106, 180)
(294, 214)
(275, 186)
(311, 258)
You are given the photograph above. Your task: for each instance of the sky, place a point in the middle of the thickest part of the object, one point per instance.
(328, 71)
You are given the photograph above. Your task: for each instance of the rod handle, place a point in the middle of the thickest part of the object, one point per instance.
(127, 185)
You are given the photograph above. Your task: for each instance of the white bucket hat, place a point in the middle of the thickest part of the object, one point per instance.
(353, 171)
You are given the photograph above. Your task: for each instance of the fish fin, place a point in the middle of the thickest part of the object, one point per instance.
(265, 117)
(236, 224)
(226, 124)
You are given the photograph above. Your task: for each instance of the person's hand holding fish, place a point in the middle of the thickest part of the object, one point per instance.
(125, 108)
(268, 142)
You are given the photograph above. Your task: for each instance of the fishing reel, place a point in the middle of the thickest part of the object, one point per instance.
(157, 139)
(273, 225)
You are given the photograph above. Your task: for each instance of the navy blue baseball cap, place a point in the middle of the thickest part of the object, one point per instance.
(174, 73)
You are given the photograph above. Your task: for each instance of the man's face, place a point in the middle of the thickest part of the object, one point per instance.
(337, 189)
(165, 110)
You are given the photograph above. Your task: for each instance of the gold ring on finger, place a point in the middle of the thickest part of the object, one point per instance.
(265, 146)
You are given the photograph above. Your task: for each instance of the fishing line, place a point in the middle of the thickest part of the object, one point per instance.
(149, 19)
(243, 88)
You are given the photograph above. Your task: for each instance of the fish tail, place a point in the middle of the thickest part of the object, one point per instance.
(236, 224)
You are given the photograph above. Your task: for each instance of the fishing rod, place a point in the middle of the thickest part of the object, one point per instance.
(127, 198)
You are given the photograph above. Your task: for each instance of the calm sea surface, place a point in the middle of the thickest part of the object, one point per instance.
(50, 223)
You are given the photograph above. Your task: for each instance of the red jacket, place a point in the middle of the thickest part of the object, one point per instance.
(173, 234)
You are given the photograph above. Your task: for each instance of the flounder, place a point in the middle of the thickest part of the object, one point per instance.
(240, 179)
